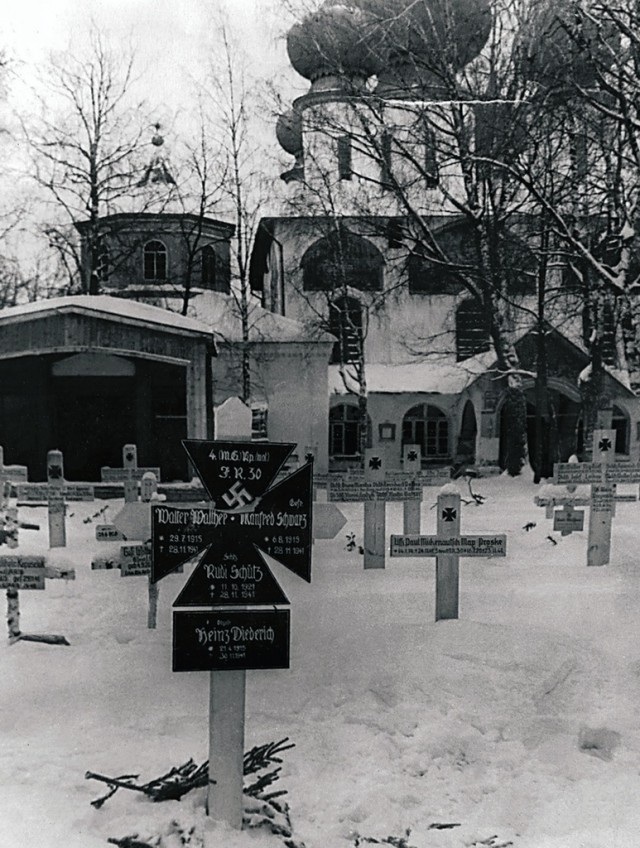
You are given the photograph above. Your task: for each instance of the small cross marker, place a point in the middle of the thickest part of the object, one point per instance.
(604, 445)
(449, 514)
(412, 455)
(375, 462)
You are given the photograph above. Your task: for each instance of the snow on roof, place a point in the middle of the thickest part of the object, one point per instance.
(111, 307)
(435, 376)
(220, 312)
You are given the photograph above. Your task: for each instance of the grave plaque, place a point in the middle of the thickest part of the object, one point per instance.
(135, 560)
(230, 640)
(22, 572)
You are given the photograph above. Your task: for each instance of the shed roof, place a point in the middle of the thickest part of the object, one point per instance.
(124, 310)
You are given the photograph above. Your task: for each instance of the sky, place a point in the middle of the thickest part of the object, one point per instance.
(169, 39)
(168, 35)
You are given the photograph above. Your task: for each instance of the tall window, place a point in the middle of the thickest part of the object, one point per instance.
(345, 323)
(385, 158)
(345, 170)
(345, 430)
(427, 426)
(472, 330)
(155, 261)
(208, 267)
(430, 157)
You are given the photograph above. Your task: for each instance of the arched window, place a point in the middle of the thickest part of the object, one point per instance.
(208, 267)
(427, 426)
(155, 260)
(342, 259)
(472, 329)
(345, 429)
(345, 323)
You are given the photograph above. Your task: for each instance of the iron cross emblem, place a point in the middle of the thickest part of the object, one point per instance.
(375, 463)
(604, 445)
(412, 456)
(449, 514)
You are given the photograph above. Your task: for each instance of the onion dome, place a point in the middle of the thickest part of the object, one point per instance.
(562, 46)
(330, 45)
(289, 131)
(420, 42)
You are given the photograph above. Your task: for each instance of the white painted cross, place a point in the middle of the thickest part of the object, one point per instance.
(27, 572)
(129, 474)
(374, 512)
(55, 500)
(374, 489)
(411, 465)
(603, 473)
(447, 546)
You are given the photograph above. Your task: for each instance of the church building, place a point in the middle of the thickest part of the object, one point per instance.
(403, 327)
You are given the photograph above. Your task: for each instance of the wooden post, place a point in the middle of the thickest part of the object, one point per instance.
(602, 495)
(412, 464)
(152, 614)
(227, 689)
(13, 614)
(374, 513)
(447, 566)
(55, 480)
(130, 463)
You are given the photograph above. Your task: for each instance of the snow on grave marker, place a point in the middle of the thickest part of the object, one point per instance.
(447, 546)
(603, 473)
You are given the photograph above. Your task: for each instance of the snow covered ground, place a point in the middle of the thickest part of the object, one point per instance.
(518, 721)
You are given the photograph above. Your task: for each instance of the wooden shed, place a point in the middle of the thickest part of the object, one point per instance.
(87, 375)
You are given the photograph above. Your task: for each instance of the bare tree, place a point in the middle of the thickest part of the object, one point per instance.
(84, 147)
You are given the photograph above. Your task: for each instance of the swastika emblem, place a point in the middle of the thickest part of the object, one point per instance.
(237, 496)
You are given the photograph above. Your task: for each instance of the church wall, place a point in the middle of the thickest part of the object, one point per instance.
(125, 238)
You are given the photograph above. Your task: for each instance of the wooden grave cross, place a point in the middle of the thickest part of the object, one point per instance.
(374, 490)
(129, 475)
(447, 546)
(28, 572)
(135, 552)
(602, 474)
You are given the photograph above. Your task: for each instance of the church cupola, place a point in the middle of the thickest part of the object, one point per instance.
(330, 48)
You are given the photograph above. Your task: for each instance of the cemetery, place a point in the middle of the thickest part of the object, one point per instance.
(320, 467)
(406, 692)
